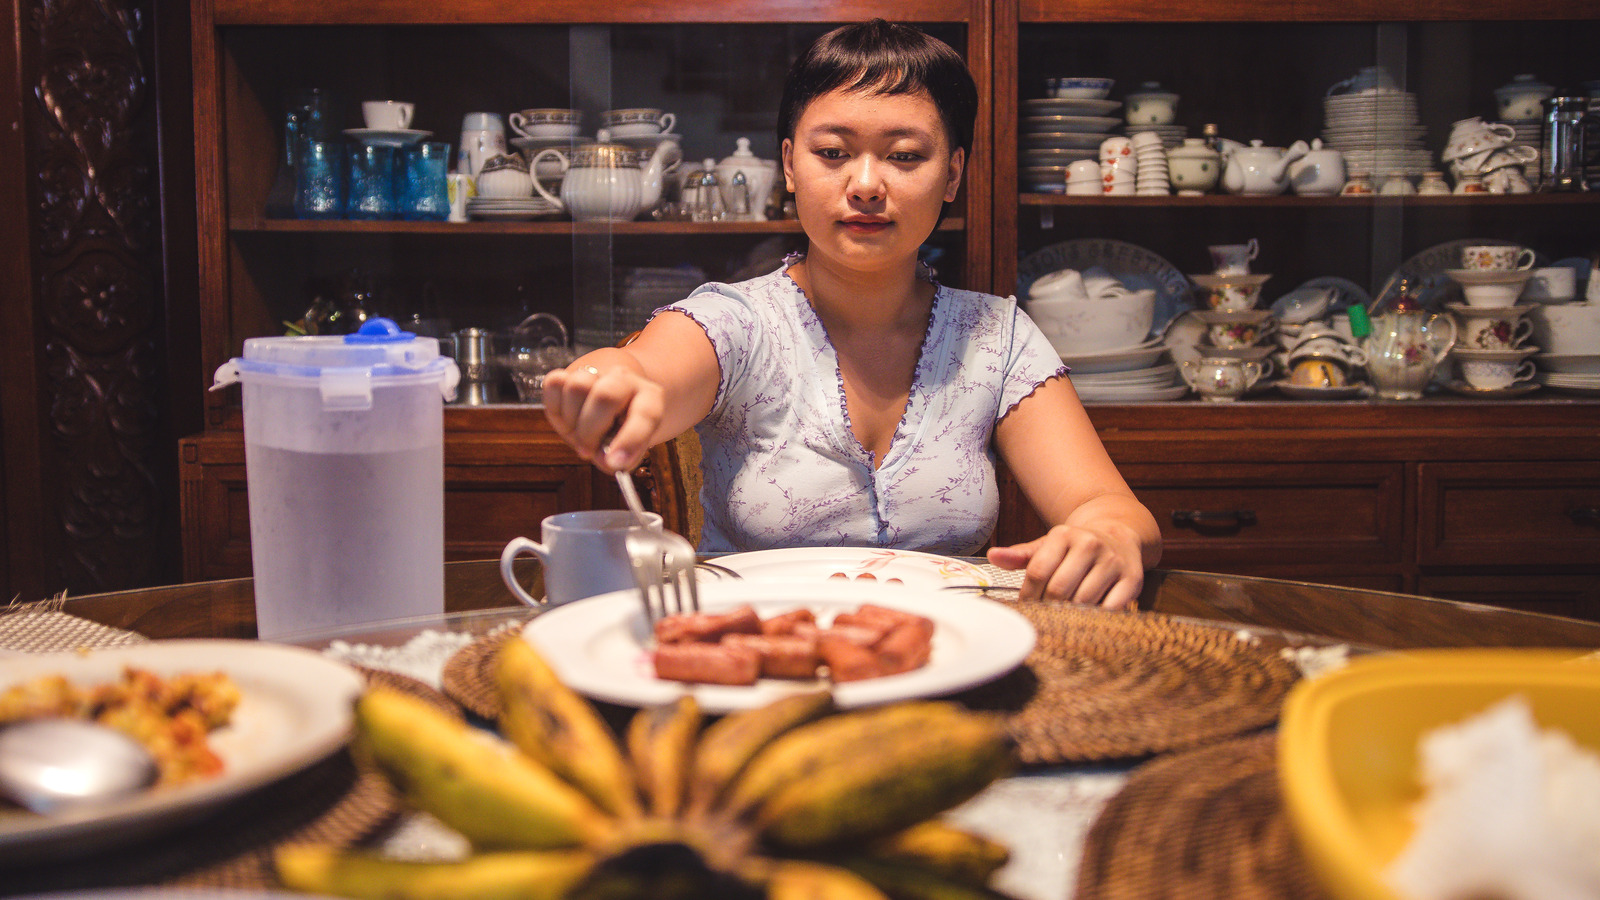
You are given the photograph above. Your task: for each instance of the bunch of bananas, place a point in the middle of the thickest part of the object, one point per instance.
(787, 801)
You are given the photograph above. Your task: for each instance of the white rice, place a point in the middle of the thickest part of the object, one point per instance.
(1508, 811)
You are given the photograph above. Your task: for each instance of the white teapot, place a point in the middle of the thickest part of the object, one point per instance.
(1259, 170)
(605, 182)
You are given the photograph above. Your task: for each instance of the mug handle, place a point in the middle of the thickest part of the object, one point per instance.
(1522, 331)
(1253, 371)
(406, 111)
(666, 121)
(1269, 366)
(1525, 259)
(1255, 248)
(1525, 372)
(518, 122)
(515, 548)
(1186, 370)
(1448, 345)
(533, 169)
(1502, 129)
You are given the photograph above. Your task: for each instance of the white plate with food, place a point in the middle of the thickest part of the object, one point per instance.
(601, 647)
(871, 564)
(294, 709)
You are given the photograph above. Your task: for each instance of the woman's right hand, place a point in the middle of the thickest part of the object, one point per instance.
(605, 408)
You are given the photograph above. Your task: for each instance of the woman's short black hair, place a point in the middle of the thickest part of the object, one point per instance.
(883, 58)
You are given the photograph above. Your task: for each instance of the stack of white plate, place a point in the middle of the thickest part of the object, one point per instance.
(1056, 132)
(512, 209)
(1171, 135)
(1130, 375)
(1572, 382)
(1377, 131)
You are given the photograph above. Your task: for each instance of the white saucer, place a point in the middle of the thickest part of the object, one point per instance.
(1570, 363)
(1079, 124)
(1092, 394)
(1066, 106)
(535, 144)
(1141, 357)
(379, 137)
(1516, 390)
(647, 141)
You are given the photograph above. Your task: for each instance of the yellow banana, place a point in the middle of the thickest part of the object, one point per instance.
(729, 743)
(514, 875)
(943, 848)
(904, 881)
(909, 776)
(661, 743)
(857, 738)
(471, 780)
(552, 724)
(797, 880)
(667, 859)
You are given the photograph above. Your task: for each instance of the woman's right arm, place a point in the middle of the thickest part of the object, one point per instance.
(614, 404)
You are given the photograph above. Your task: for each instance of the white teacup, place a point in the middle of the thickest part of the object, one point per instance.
(637, 122)
(1233, 259)
(1221, 379)
(1474, 135)
(1240, 334)
(387, 115)
(1496, 258)
(584, 553)
(1495, 332)
(546, 123)
(1495, 373)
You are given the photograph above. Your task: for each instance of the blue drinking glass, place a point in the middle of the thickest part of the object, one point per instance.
(424, 186)
(372, 177)
(320, 180)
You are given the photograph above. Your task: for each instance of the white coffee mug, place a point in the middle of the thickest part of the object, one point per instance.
(584, 554)
(387, 115)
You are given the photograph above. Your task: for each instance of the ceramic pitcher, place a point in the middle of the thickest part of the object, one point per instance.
(1405, 346)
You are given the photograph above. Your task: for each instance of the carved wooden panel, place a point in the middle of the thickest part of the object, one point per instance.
(95, 235)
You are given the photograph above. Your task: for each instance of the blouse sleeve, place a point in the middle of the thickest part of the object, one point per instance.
(729, 319)
(1031, 360)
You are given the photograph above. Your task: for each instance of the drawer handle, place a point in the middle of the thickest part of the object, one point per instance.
(1585, 515)
(1213, 519)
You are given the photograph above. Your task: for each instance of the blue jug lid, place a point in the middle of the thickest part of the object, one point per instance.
(379, 330)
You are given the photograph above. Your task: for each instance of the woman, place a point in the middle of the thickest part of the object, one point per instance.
(845, 399)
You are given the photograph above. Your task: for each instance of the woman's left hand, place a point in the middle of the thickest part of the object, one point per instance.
(1095, 564)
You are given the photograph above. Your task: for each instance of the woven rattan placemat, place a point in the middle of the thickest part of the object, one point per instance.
(334, 802)
(1109, 685)
(1197, 826)
(1098, 686)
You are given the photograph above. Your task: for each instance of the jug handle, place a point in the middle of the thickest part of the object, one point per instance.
(515, 548)
(1441, 353)
(533, 169)
(226, 374)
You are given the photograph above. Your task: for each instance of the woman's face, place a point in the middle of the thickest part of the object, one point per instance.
(870, 173)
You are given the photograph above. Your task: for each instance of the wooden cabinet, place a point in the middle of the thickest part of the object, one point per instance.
(1456, 496)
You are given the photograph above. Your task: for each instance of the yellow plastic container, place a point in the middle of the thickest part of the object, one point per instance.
(1347, 745)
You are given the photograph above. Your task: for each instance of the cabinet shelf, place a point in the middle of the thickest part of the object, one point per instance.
(1452, 201)
(558, 228)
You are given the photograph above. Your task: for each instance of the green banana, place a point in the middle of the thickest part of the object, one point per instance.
(661, 743)
(943, 848)
(553, 725)
(514, 875)
(910, 775)
(857, 738)
(472, 781)
(730, 743)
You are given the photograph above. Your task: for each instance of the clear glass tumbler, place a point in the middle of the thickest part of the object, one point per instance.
(320, 180)
(424, 181)
(372, 178)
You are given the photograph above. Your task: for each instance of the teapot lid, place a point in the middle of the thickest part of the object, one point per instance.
(741, 153)
(1522, 84)
(604, 155)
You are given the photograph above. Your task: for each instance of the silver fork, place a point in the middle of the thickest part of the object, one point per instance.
(663, 562)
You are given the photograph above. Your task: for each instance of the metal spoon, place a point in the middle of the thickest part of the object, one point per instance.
(49, 765)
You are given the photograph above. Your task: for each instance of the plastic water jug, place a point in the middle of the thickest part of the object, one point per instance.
(344, 455)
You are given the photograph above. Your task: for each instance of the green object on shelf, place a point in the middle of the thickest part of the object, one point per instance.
(1360, 322)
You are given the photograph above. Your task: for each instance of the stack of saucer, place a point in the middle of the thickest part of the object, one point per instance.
(1377, 130)
(1057, 131)
(513, 209)
(1171, 135)
(1151, 176)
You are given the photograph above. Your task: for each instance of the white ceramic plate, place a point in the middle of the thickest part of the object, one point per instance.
(1064, 141)
(1080, 124)
(1142, 357)
(907, 567)
(600, 646)
(1133, 395)
(295, 709)
(1156, 376)
(1131, 264)
(1066, 106)
(379, 137)
(1571, 363)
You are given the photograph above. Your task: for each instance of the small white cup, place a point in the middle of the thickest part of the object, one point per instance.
(1552, 284)
(1495, 374)
(584, 554)
(1116, 147)
(1496, 258)
(1494, 332)
(1233, 259)
(387, 115)
(641, 122)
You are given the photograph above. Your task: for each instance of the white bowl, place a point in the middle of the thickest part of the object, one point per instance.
(1083, 88)
(1567, 328)
(1110, 322)
(1491, 288)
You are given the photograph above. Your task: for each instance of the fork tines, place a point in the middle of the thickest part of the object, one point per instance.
(664, 574)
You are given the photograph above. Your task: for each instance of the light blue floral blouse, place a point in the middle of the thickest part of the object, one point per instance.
(781, 466)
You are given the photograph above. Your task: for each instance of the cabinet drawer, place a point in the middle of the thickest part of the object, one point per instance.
(1513, 513)
(1214, 516)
